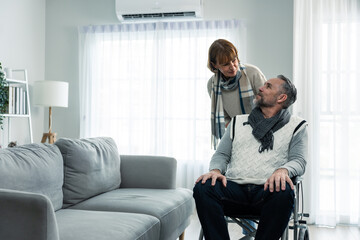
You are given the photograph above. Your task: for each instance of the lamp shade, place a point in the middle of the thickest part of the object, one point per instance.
(51, 93)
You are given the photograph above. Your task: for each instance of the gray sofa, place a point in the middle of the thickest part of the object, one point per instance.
(83, 189)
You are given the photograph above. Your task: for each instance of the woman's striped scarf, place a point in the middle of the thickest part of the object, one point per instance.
(217, 109)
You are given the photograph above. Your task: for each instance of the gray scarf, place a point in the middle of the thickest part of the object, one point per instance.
(231, 83)
(263, 128)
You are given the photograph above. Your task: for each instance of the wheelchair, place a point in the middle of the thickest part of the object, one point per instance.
(297, 223)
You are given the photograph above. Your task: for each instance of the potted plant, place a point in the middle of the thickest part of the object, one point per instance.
(4, 95)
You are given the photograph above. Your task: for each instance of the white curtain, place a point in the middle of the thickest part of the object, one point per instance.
(145, 85)
(326, 73)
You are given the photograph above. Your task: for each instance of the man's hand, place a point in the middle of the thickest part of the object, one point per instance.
(214, 175)
(279, 178)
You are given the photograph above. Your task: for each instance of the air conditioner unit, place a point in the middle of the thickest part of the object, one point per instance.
(157, 9)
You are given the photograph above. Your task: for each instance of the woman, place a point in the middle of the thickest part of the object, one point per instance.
(232, 88)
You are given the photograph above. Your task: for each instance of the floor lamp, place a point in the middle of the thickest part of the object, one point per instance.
(51, 94)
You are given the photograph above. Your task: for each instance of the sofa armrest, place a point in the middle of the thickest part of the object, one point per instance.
(25, 215)
(147, 172)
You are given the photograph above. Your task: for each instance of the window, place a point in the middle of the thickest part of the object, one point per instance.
(339, 132)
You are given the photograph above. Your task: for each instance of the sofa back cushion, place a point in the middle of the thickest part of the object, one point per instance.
(36, 168)
(91, 167)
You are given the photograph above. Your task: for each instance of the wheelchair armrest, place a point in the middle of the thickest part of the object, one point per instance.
(297, 179)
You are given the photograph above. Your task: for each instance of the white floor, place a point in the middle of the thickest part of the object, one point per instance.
(316, 233)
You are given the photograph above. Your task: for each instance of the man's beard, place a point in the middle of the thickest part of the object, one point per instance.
(261, 103)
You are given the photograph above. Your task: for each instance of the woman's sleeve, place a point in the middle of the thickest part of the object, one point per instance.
(256, 77)
(259, 81)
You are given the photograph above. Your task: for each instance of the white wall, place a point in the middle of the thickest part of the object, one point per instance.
(28, 43)
(62, 20)
(22, 45)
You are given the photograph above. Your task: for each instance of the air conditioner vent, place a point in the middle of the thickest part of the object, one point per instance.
(149, 10)
(158, 15)
(180, 14)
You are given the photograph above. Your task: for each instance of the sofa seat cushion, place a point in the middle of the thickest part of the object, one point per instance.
(172, 207)
(35, 168)
(91, 167)
(97, 225)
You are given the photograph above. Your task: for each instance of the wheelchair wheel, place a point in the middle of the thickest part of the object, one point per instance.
(303, 234)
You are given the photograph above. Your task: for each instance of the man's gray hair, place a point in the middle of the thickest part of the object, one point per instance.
(289, 89)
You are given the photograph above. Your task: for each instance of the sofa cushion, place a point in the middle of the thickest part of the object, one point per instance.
(173, 207)
(91, 167)
(36, 168)
(96, 225)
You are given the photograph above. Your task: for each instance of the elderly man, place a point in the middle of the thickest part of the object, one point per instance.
(250, 173)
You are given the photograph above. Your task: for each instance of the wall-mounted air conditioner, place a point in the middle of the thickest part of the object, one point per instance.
(157, 9)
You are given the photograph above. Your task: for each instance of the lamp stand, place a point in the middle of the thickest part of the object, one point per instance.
(51, 136)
